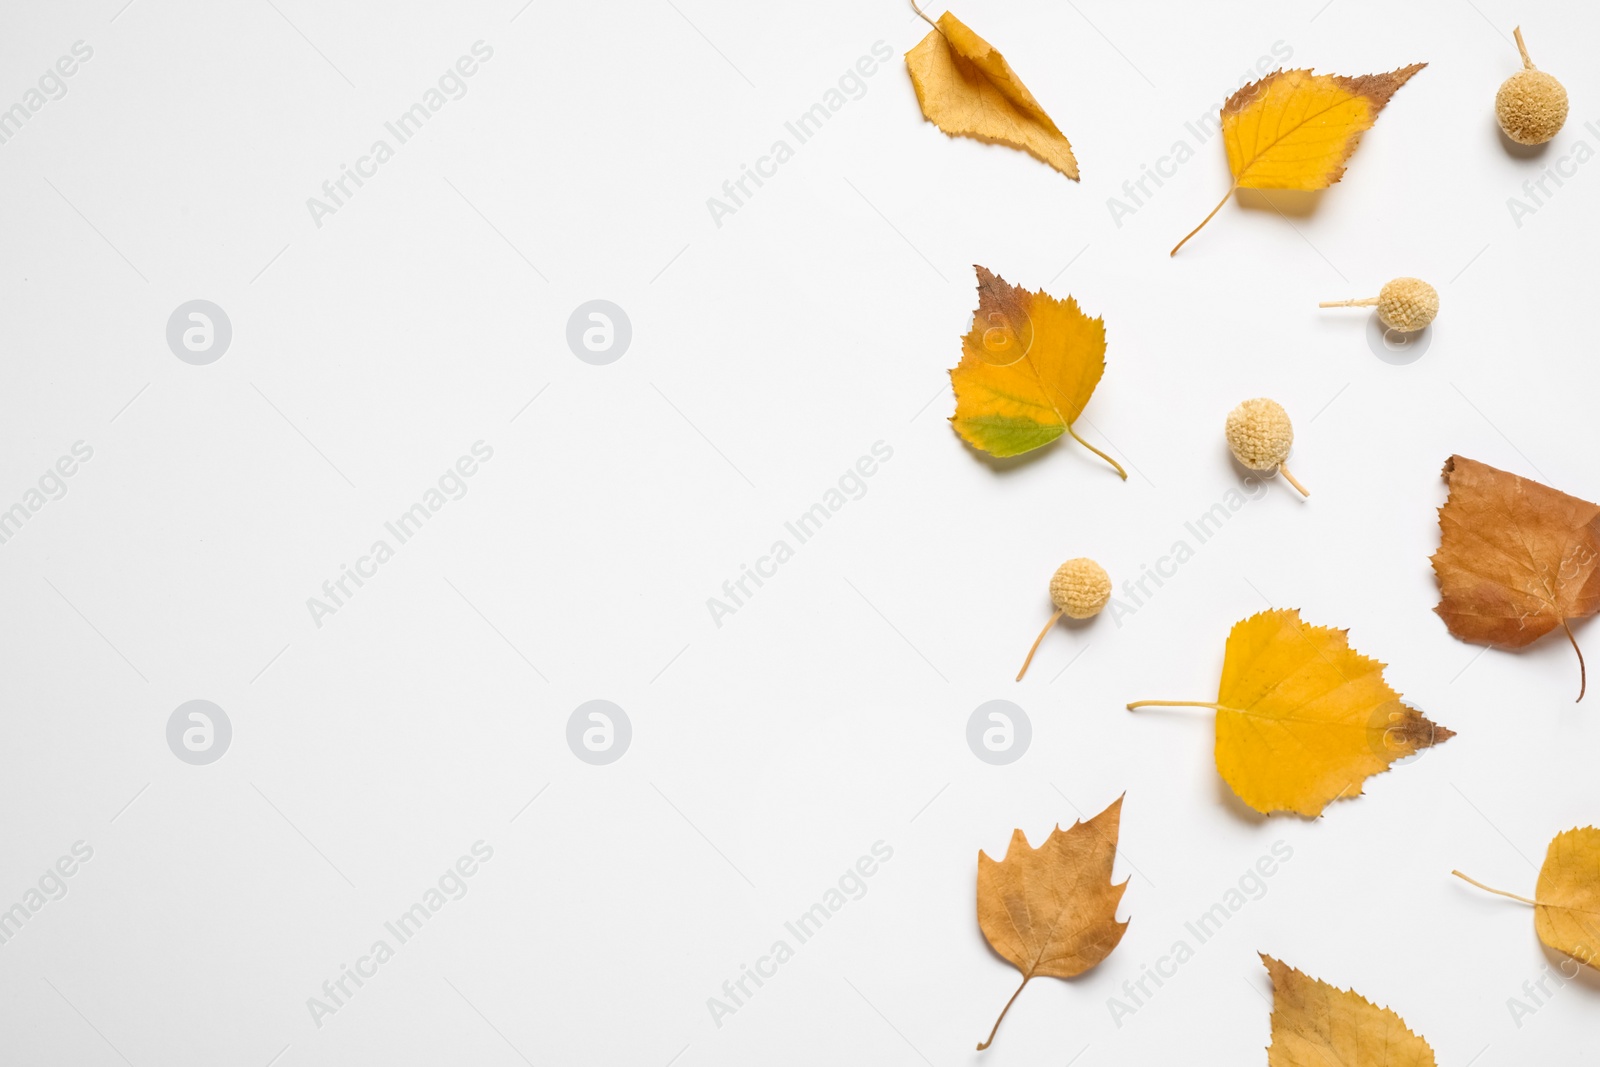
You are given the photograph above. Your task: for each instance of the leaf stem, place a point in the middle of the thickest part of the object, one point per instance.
(1368, 302)
(1036, 641)
(1283, 469)
(1496, 892)
(990, 1039)
(1583, 672)
(1097, 452)
(1173, 704)
(925, 18)
(1527, 63)
(1203, 221)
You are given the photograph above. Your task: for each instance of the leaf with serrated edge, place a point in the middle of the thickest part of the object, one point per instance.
(1029, 365)
(1295, 129)
(1315, 1024)
(1052, 911)
(1302, 718)
(1567, 915)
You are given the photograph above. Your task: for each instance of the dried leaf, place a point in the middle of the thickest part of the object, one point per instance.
(1052, 910)
(1516, 559)
(1566, 913)
(1567, 916)
(966, 88)
(1302, 718)
(1315, 1024)
(1028, 367)
(1294, 129)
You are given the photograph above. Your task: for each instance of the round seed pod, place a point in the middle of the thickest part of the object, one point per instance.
(1407, 304)
(1260, 436)
(1531, 105)
(1080, 587)
(1404, 304)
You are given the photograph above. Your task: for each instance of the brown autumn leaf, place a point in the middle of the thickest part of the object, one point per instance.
(1516, 559)
(967, 89)
(1315, 1024)
(1052, 910)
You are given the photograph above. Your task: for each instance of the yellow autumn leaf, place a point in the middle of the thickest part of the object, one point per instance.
(1294, 129)
(1566, 911)
(967, 89)
(1028, 367)
(1302, 718)
(1052, 910)
(1315, 1024)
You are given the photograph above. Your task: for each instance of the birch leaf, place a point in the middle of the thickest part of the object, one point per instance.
(1516, 559)
(1028, 367)
(967, 89)
(1315, 1024)
(1302, 718)
(1566, 908)
(1294, 129)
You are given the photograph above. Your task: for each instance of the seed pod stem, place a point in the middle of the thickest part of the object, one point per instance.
(1527, 63)
(1370, 301)
(1283, 469)
(1031, 651)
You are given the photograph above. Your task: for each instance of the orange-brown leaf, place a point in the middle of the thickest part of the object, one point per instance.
(1052, 910)
(1516, 559)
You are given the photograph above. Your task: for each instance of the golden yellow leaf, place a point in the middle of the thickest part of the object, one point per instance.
(1567, 917)
(1028, 367)
(1302, 718)
(966, 88)
(1052, 910)
(1294, 129)
(1566, 911)
(1315, 1024)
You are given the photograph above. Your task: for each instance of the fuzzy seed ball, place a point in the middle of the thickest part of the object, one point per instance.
(1259, 434)
(1531, 106)
(1080, 588)
(1407, 304)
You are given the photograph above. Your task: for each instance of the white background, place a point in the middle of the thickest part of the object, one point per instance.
(768, 354)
